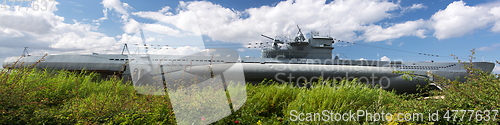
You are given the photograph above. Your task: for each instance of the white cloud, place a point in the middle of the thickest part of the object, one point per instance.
(400, 44)
(496, 12)
(35, 22)
(413, 7)
(117, 6)
(164, 9)
(158, 28)
(388, 42)
(126, 38)
(7, 32)
(43, 30)
(126, 6)
(489, 48)
(417, 6)
(341, 18)
(224, 24)
(105, 17)
(150, 39)
(73, 40)
(459, 19)
(241, 50)
(409, 28)
(385, 58)
(131, 26)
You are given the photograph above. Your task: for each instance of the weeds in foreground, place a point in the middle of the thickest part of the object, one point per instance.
(34, 96)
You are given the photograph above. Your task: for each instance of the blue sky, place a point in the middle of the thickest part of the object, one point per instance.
(437, 27)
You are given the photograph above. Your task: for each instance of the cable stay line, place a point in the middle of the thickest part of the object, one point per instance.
(419, 53)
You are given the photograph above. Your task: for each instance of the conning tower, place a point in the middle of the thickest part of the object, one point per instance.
(316, 47)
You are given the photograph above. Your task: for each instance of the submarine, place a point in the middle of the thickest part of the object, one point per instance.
(291, 61)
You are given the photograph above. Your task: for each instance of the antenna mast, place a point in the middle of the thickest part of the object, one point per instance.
(25, 52)
(125, 46)
(144, 41)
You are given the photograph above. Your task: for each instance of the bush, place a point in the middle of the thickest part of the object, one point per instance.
(480, 91)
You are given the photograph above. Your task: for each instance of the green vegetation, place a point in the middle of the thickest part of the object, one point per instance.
(31, 96)
(34, 96)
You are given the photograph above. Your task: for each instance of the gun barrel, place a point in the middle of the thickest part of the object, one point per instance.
(266, 36)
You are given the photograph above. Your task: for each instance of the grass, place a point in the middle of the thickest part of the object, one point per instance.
(31, 96)
(35, 96)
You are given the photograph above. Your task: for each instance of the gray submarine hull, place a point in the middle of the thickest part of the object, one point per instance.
(382, 76)
(283, 71)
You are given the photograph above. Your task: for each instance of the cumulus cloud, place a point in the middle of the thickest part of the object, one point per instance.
(409, 28)
(413, 7)
(10, 32)
(388, 42)
(118, 6)
(459, 19)
(385, 58)
(34, 22)
(158, 28)
(131, 26)
(44, 30)
(489, 48)
(341, 18)
(241, 50)
(219, 23)
(496, 12)
(105, 17)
